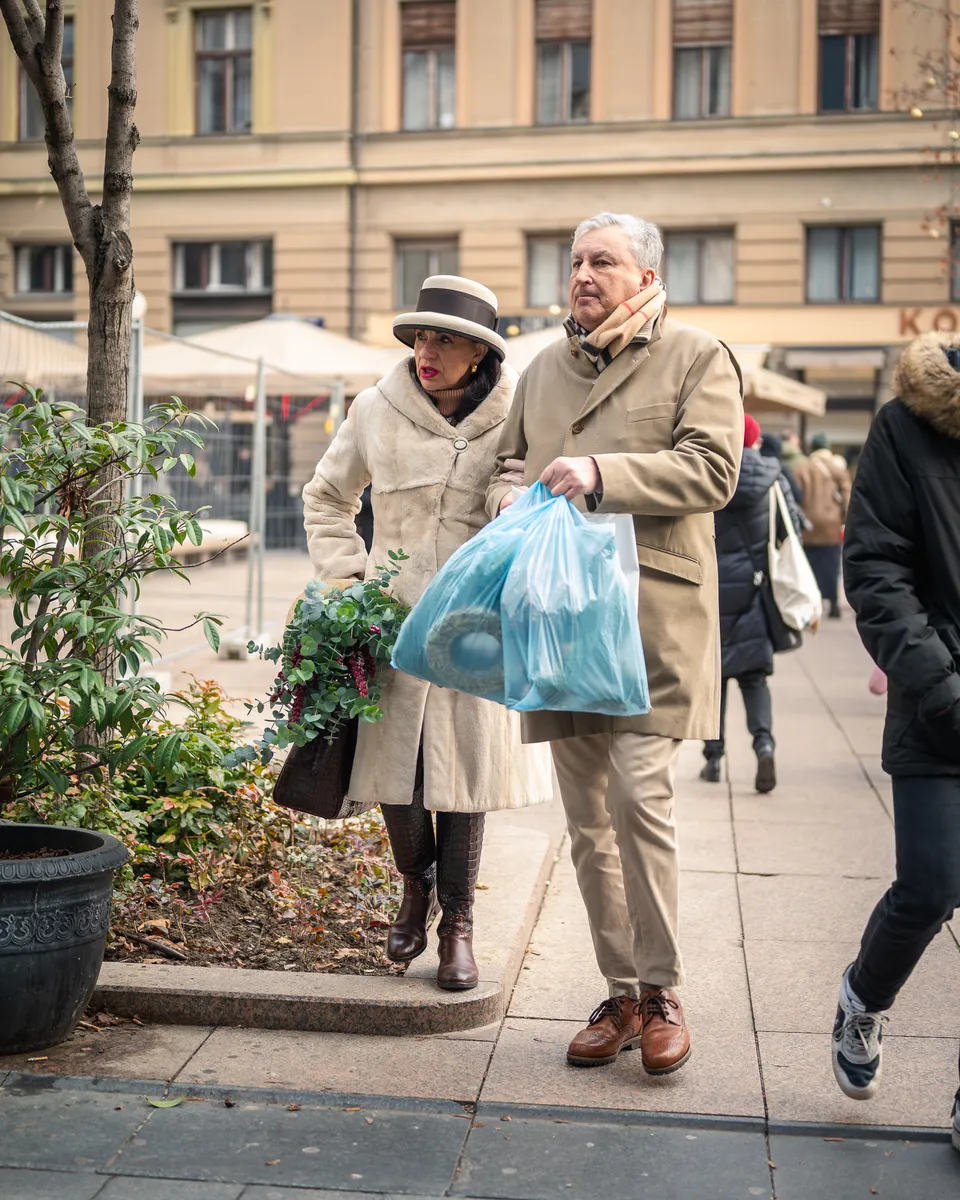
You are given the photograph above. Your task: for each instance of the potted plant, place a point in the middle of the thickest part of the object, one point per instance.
(73, 703)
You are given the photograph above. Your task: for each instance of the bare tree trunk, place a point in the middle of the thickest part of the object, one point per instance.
(101, 232)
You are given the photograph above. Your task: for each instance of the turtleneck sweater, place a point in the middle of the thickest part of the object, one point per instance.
(448, 400)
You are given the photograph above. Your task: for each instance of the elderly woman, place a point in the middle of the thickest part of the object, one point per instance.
(425, 439)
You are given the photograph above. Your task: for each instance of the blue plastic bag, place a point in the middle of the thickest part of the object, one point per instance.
(453, 635)
(571, 637)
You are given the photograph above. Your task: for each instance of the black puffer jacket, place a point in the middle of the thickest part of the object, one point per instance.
(901, 567)
(742, 534)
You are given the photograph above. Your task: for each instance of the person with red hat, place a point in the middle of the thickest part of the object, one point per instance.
(743, 530)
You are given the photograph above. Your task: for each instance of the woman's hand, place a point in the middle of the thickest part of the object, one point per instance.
(514, 473)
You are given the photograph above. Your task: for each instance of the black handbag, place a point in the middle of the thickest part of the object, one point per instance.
(314, 778)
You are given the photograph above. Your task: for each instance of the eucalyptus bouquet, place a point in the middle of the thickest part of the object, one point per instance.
(331, 660)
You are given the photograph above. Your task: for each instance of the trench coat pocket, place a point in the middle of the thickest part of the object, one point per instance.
(648, 412)
(682, 566)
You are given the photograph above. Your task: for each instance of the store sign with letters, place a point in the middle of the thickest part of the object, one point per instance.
(914, 321)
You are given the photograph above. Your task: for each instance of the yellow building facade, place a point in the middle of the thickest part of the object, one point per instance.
(319, 156)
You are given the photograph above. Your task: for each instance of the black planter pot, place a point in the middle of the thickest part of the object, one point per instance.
(54, 917)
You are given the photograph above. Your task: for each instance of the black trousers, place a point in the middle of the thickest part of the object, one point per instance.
(925, 893)
(825, 561)
(759, 705)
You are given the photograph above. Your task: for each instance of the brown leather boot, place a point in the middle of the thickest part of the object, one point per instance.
(612, 1027)
(407, 938)
(665, 1041)
(459, 843)
(458, 968)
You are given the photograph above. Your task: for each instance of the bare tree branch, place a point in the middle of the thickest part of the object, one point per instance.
(122, 135)
(16, 25)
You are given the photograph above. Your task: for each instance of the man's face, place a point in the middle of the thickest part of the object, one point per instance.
(603, 274)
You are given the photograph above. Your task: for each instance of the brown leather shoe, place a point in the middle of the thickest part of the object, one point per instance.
(407, 938)
(458, 968)
(665, 1042)
(613, 1027)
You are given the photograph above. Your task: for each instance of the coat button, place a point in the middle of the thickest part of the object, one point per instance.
(578, 428)
(460, 445)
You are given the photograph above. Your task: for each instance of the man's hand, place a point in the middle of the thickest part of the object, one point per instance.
(572, 477)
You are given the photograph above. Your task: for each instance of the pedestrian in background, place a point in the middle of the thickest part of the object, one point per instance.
(791, 449)
(825, 484)
(771, 446)
(902, 577)
(633, 413)
(425, 438)
(743, 535)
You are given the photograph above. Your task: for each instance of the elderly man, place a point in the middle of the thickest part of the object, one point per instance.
(633, 414)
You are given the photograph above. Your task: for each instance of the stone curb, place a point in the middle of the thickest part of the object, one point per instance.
(116, 1085)
(517, 860)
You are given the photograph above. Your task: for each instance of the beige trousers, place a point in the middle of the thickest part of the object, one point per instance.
(617, 791)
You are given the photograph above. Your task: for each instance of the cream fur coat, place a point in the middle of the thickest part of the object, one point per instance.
(428, 499)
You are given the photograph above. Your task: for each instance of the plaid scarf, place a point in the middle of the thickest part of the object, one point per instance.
(627, 323)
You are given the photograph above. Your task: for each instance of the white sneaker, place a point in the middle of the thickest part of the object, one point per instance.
(857, 1045)
(956, 1123)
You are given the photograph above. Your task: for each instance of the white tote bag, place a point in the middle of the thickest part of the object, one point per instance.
(794, 585)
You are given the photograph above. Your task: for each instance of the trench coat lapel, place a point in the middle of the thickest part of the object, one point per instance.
(619, 371)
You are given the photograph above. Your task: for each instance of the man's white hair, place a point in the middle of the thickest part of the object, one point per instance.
(645, 239)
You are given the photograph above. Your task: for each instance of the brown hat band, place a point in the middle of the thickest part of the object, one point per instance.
(457, 304)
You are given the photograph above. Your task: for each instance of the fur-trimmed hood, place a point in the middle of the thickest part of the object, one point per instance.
(928, 385)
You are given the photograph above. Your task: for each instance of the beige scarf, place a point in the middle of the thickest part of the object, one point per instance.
(624, 325)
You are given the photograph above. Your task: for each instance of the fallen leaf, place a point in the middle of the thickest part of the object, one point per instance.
(369, 1120)
(483, 887)
(356, 1109)
(155, 1103)
(506, 1118)
(293, 1108)
(284, 941)
(272, 1162)
(771, 1165)
(834, 1139)
(874, 1192)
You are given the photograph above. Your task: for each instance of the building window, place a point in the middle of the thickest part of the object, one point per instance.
(428, 32)
(224, 53)
(563, 32)
(44, 270)
(548, 272)
(849, 51)
(702, 39)
(32, 125)
(699, 267)
(415, 261)
(201, 267)
(843, 264)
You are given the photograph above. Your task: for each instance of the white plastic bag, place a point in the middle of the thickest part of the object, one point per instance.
(792, 580)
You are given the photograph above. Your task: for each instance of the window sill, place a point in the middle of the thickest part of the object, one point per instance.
(844, 303)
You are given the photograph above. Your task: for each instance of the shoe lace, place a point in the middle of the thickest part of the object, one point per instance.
(657, 1004)
(609, 1008)
(861, 1034)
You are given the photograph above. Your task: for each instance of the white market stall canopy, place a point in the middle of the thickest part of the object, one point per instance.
(28, 356)
(764, 389)
(300, 358)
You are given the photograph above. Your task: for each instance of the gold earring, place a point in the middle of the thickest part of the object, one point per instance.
(473, 369)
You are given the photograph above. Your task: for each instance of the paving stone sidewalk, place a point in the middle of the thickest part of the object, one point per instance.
(775, 891)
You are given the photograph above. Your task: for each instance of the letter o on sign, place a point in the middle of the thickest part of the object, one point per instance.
(945, 320)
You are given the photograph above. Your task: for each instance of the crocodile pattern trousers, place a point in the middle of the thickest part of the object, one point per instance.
(459, 845)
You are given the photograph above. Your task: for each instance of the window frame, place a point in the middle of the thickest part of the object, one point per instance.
(845, 263)
(701, 236)
(62, 268)
(67, 63)
(229, 56)
(563, 243)
(434, 247)
(704, 52)
(258, 267)
(849, 73)
(566, 46)
(434, 116)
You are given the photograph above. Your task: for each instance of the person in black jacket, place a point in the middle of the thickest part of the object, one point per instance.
(902, 579)
(743, 532)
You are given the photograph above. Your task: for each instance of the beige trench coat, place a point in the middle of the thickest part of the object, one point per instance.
(825, 481)
(428, 499)
(664, 422)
